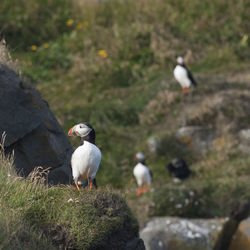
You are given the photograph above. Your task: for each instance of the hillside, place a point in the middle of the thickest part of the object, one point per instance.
(110, 63)
(34, 216)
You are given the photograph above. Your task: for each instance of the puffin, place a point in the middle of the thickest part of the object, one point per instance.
(178, 168)
(142, 173)
(86, 159)
(184, 76)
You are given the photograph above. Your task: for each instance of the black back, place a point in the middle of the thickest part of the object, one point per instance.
(178, 168)
(190, 76)
(144, 163)
(90, 137)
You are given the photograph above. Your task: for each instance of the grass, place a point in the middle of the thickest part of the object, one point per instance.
(34, 216)
(216, 188)
(112, 66)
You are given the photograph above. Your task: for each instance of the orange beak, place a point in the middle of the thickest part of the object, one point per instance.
(72, 132)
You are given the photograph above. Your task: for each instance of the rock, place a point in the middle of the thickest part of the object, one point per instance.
(177, 234)
(135, 244)
(241, 239)
(198, 138)
(244, 140)
(33, 132)
(153, 144)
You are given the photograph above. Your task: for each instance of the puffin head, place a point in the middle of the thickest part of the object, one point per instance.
(84, 130)
(140, 157)
(180, 60)
(177, 163)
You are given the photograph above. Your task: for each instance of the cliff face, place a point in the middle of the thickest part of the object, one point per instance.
(32, 130)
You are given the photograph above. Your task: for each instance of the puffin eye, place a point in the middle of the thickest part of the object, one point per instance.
(80, 126)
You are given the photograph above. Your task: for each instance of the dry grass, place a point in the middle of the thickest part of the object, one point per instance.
(223, 110)
(159, 106)
(39, 175)
(5, 56)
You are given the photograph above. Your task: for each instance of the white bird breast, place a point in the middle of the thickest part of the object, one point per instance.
(181, 75)
(142, 174)
(85, 161)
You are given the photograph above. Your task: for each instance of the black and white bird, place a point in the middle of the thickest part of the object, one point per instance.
(184, 76)
(178, 168)
(142, 173)
(86, 158)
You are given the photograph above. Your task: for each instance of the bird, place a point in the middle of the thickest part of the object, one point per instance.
(178, 168)
(184, 76)
(86, 159)
(142, 173)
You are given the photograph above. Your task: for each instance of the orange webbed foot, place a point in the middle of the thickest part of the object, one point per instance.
(90, 185)
(185, 90)
(76, 183)
(140, 191)
(145, 189)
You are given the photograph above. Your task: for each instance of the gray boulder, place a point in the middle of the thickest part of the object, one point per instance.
(244, 140)
(153, 144)
(33, 132)
(174, 233)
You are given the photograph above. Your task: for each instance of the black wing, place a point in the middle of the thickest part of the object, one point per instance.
(170, 168)
(151, 174)
(190, 76)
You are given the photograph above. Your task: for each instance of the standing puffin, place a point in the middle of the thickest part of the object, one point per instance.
(179, 169)
(86, 158)
(183, 75)
(142, 174)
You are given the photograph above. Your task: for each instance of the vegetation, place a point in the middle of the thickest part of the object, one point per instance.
(34, 216)
(110, 63)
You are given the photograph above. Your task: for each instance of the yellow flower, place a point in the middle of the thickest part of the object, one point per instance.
(79, 26)
(69, 22)
(243, 41)
(45, 45)
(102, 53)
(33, 47)
(86, 23)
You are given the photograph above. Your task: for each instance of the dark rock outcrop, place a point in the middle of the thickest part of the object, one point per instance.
(241, 239)
(33, 132)
(238, 214)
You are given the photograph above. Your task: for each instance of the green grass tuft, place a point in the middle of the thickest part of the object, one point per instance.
(35, 216)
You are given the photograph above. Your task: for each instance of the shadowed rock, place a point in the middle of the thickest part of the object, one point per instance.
(33, 132)
(241, 239)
